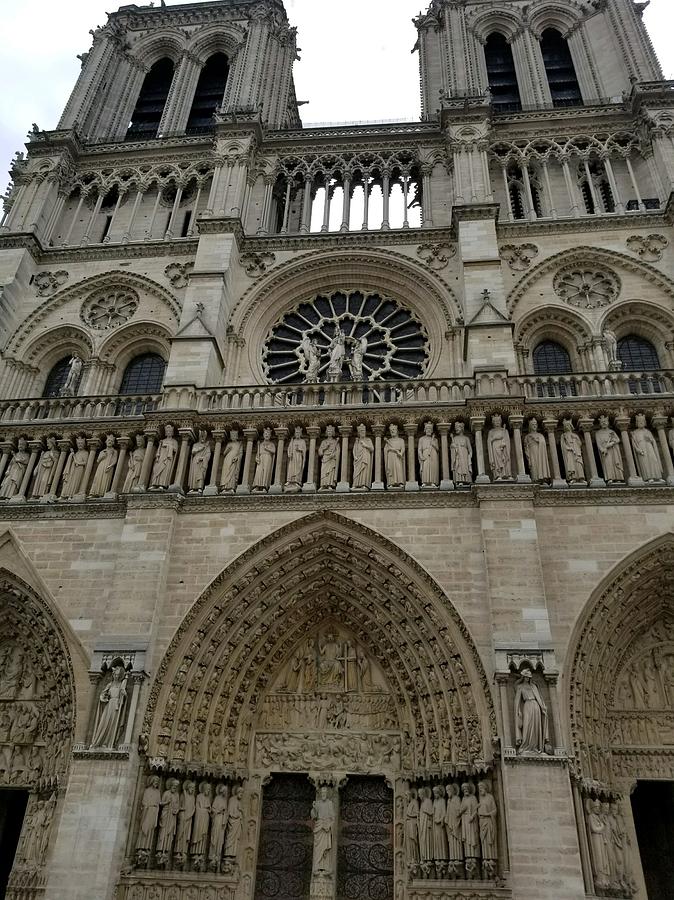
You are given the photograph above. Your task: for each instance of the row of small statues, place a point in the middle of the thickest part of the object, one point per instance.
(189, 826)
(451, 831)
(609, 848)
(66, 473)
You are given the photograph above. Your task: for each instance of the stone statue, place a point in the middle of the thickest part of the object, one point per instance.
(185, 818)
(646, 451)
(110, 710)
(439, 832)
(363, 455)
(412, 829)
(462, 455)
(170, 806)
(312, 357)
(329, 453)
(136, 457)
(453, 826)
(12, 667)
(428, 452)
(323, 814)
(394, 459)
(297, 454)
(498, 448)
(105, 468)
(337, 351)
(231, 464)
(572, 453)
(73, 474)
(45, 469)
(536, 450)
(531, 715)
(219, 817)
(38, 830)
(596, 827)
(200, 457)
(330, 666)
(470, 827)
(202, 815)
(487, 813)
(165, 460)
(620, 849)
(610, 343)
(608, 444)
(149, 817)
(426, 826)
(11, 483)
(357, 357)
(264, 462)
(72, 381)
(234, 824)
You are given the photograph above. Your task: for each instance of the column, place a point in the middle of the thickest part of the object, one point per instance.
(630, 169)
(504, 695)
(281, 435)
(186, 435)
(446, 483)
(346, 204)
(548, 189)
(516, 423)
(550, 426)
(132, 221)
(366, 201)
(623, 423)
(593, 191)
(659, 422)
(266, 205)
(586, 426)
(471, 173)
(6, 452)
(168, 235)
(286, 209)
(54, 217)
(97, 208)
(378, 483)
(506, 188)
(610, 174)
(412, 483)
(426, 200)
(143, 481)
(459, 199)
(573, 202)
(64, 448)
(528, 191)
(66, 239)
(477, 426)
(35, 448)
(150, 227)
(120, 196)
(386, 190)
(343, 485)
(250, 435)
(305, 219)
(123, 443)
(406, 190)
(211, 488)
(195, 209)
(326, 206)
(309, 487)
(217, 172)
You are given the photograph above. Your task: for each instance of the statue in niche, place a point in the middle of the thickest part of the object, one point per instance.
(72, 381)
(337, 353)
(596, 827)
(461, 455)
(185, 819)
(412, 829)
(426, 827)
(73, 474)
(202, 815)
(12, 666)
(11, 483)
(428, 452)
(470, 828)
(45, 469)
(105, 468)
(531, 715)
(200, 457)
(536, 450)
(363, 455)
(487, 813)
(357, 358)
(264, 462)
(231, 464)
(323, 815)
(439, 832)
(394, 459)
(219, 817)
(646, 451)
(330, 665)
(136, 457)
(453, 825)
(328, 453)
(608, 444)
(498, 449)
(234, 824)
(164, 463)
(169, 808)
(572, 453)
(149, 817)
(110, 711)
(297, 454)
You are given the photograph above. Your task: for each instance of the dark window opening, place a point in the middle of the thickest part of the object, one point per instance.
(12, 811)
(550, 358)
(505, 94)
(184, 231)
(606, 195)
(588, 199)
(57, 378)
(143, 375)
(560, 70)
(151, 101)
(517, 201)
(106, 228)
(637, 354)
(653, 809)
(209, 94)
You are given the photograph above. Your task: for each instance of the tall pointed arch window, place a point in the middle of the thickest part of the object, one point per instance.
(560, 70)
(209, 93)
(151, 101)
(505, 93)
(143, 375)
(550, 358)
(57, 377)
(637, 354)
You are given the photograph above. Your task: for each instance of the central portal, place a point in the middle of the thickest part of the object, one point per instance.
(653, 807)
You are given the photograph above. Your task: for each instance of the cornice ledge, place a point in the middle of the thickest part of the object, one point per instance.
(222, 225)
(352, 239)
(184, 247)
(474, 212)
(88, 510)
(644, 218)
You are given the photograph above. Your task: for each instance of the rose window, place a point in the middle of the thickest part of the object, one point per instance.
(346, 337)
(109, 309)
(587, 288)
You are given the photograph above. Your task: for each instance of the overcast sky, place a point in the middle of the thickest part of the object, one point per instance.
(356, 62)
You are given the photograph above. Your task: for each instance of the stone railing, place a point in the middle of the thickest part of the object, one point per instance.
(557, 445)
(59, 409)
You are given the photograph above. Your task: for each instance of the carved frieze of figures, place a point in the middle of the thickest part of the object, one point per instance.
(360, 753)
(111, 707)
(326, 711)
(450, 830)
(609, 845)
(22, 737)
(647, 682)
(36, 831)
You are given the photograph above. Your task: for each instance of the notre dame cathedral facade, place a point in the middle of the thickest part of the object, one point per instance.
(336, 470)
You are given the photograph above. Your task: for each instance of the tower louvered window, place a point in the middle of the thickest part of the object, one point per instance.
(151, 101)
(505, 94)
(209, 93)
(560, 70)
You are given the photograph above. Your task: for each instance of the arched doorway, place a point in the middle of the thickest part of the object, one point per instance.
(323, 674)
(621, 701)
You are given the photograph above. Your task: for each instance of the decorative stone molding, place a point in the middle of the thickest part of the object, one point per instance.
(256, 264)
(436, 256)
(519, 256)
(47, 283)
(586, 288)
(107, 309)
(178, 274)
(648, 247)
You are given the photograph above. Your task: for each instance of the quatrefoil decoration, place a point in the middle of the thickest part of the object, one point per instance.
(587, 287)
(109, 308)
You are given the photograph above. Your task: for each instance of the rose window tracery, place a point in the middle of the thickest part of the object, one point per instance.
(109, 309)
(346, 337)
(587, 288)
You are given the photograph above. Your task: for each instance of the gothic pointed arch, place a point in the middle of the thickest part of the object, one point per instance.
(621, 672)
(310, 577)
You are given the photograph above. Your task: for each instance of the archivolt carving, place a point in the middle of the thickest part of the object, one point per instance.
(53, 345)
(507, 21)
(623, 656)
(555, 323)
(556, 15)
(253, 618)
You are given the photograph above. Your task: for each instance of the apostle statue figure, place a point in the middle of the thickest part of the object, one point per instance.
(264, 462)
(234, 825)
(328, 453)
(572, 453)
(453, 826)
(164, 463)
(149, 817)
(428, 453)
(297, 454)
(646, 451)
(202, 815)
(170, 806)
(323, 815)
(462, 455)
(105, 468)
(608, 444)
(531, 715)
(470, 828)
(363, 455)
(487, 813)
(111, 703)
(412, 830)
(394, 459)
(219, 817)
(231, 464)
(536, 450)
(498, 448)
(185, 819)
(200, 457)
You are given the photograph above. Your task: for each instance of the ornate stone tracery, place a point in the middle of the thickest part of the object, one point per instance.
(107, 309)
(586, 288)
